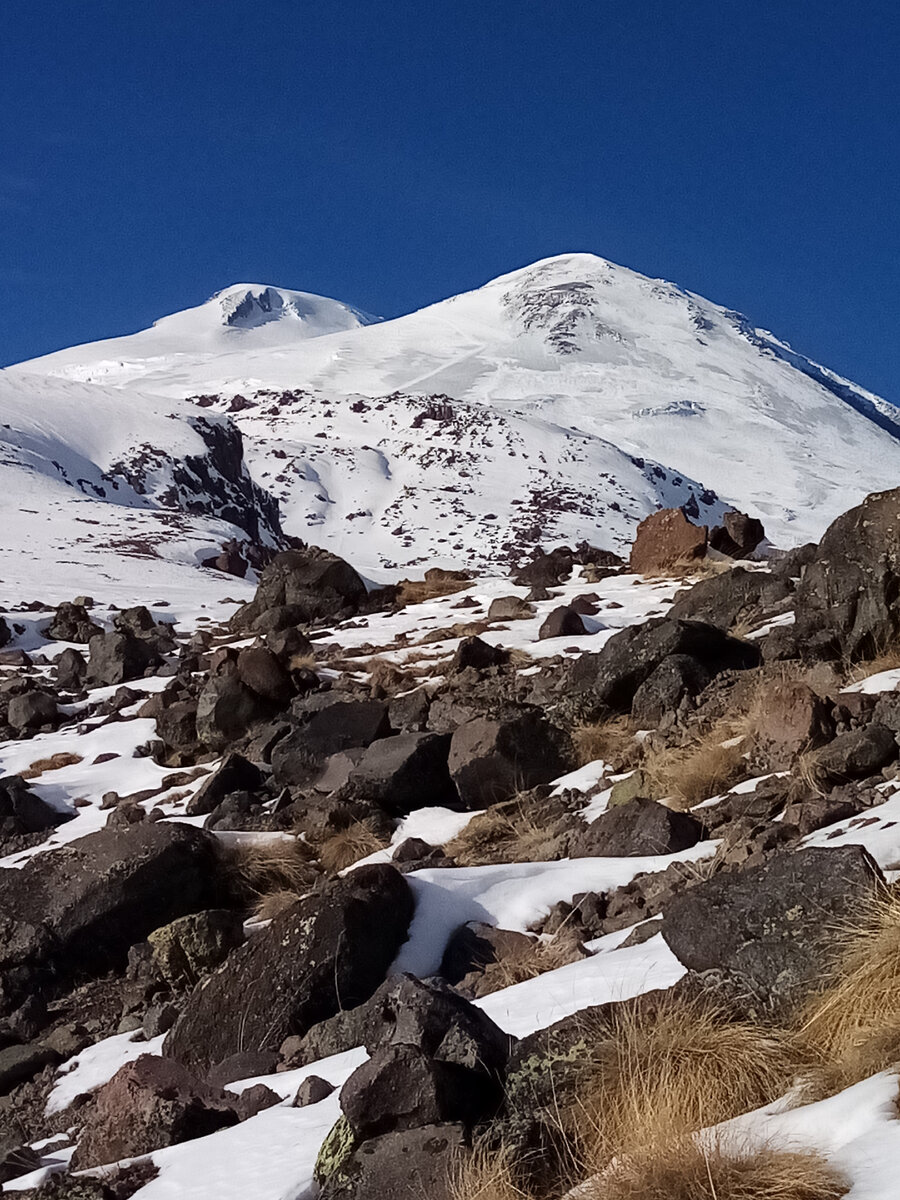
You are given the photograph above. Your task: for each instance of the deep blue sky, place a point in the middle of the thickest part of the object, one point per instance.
(393, 153)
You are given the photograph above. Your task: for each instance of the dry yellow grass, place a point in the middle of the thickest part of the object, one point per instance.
(436, 583)
(54, 763)
(612, 741)
(852, 1028)
(302, 662)
(348, 846)
(710, 764)
(486, 1174)
(503, 833)
(692, 570)
(887, 659)
(272, 903)
(663, 1074)
(529, 963)
(691, 1170)
(257, 869)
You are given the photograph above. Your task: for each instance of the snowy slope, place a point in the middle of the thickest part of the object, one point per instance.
(246, 318)
(104, 492)
(563, 401)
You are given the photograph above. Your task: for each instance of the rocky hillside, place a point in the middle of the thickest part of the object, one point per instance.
(564, 401)
(574, 881)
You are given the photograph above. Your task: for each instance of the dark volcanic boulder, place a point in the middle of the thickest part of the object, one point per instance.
(336, 724)
(234, 774)
(71, 670)
(405, 772)
(492, 758)
(329, 951)
(737, 536)
(640, 827)
(509, 608)
(191, 946)
(414, 1012)
(149, 1103)
(771, 925)
(562, 622)
(260, 670)
(410, 1163)
(847, 598)
(119, 656)
(546, 570)
(856, 754)
(792, 720)
(435, 1058)
(667, 685)
(666, 539)
(23, 811)
(735, 595)
(227, 709)
(315, 584)
(400, 1087)
(71, 623)
(607, 681)
(473, 652)
(78, 909)
(32, 711)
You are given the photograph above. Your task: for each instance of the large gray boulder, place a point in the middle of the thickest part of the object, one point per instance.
(607, 682)
(847, 599)
(77, 910)
(313, 583)
(334, 724)
(148, 1104)
(118, 657)
(327, 952)
(772, 925)
(405, 772)
(735, 595)
(640, 827)
(494, 757)
(408, 1163)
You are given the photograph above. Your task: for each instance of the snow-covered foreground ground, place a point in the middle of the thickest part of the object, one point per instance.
(271, 1156)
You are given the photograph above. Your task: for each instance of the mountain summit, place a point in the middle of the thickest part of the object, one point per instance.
(565, 400)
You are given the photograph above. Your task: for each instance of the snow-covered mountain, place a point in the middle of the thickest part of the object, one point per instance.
(566, 400)
(104, 491)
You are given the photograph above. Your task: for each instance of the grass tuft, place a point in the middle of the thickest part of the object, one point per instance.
(662, 1075)
(503, 833)
(852, 1028)
(701, 1169)
(271, 904)
(258, 869)
(710, 764)
(347, 846)
(612, 741)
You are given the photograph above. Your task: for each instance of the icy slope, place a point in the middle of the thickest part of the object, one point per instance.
(565, 400)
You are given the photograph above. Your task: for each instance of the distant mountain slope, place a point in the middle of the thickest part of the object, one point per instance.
(101, 490)
(561, 401)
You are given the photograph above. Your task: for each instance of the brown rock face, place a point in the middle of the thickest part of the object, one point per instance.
(665, 539)
(149, 1103)
(793, 719)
